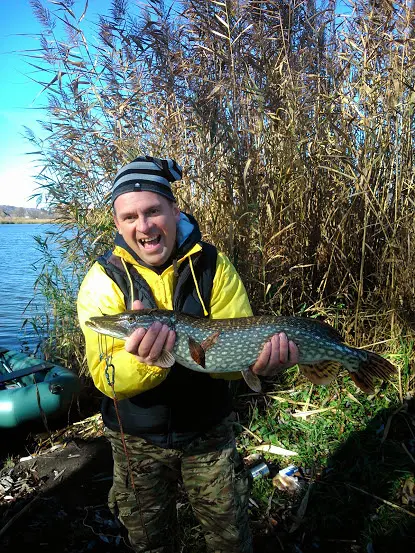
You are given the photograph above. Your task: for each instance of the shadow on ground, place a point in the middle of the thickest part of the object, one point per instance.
(68, 513)
(64, 508)
(357, 505)
(344, 511)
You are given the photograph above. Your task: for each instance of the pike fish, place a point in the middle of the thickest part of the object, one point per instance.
(228, 345)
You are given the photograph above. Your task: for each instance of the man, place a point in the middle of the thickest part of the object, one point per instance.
(166, 424)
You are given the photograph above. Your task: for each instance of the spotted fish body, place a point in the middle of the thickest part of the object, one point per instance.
(229, 345)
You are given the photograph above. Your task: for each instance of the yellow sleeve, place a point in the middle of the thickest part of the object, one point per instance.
(99, 295)
(229, 300)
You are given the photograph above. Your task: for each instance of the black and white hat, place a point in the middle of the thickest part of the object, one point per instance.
(147, 174)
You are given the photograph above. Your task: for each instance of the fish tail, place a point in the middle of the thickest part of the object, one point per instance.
(374, 366)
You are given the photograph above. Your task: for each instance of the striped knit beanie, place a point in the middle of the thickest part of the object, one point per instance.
(148, 174)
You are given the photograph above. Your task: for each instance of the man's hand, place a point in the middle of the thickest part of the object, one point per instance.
(277, 354)
(147, 345)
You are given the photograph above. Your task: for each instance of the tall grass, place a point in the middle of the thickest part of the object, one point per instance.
(295, 128)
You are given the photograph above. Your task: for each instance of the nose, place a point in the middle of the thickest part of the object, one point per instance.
(142, 225)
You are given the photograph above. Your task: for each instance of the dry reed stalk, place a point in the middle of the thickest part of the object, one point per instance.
(295, 132)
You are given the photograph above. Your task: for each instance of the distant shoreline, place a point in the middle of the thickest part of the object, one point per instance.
(21, 220)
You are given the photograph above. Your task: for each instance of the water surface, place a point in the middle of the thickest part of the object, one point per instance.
(18, 260)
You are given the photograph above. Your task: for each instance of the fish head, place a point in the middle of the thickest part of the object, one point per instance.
(122, 325)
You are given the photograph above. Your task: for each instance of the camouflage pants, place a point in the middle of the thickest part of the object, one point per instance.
(213, 476)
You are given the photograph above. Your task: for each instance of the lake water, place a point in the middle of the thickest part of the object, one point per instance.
(18, 256)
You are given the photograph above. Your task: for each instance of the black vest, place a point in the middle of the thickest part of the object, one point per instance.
(186, 402)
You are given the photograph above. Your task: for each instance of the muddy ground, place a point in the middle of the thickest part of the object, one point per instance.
(54, 487)
(56, 502)
(63, 509)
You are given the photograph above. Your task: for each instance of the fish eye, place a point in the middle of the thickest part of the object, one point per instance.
(131, 319)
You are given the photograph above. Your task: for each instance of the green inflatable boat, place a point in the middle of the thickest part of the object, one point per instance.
(29, 386)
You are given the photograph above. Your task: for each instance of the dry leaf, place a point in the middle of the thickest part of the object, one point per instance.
(305, 414)
(408, 492)
(275, 450)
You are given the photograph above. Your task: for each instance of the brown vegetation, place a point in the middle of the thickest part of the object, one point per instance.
(295, 129)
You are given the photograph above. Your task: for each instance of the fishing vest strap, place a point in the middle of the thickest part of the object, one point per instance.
(116, 272)
(185, 298)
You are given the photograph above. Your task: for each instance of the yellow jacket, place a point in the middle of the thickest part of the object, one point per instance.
(99, 294)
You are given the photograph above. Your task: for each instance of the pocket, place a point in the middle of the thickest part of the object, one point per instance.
(112, 502)
(122, 505)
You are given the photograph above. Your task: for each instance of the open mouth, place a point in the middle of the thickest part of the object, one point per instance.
(149, 243)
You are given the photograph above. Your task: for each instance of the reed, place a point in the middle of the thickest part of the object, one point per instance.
(295, 128)
(294, 125)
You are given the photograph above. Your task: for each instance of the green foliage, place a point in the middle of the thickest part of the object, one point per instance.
(57, 285)
(355, 456)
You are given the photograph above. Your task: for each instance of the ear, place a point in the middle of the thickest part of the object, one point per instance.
(176, 213)
(114, 216)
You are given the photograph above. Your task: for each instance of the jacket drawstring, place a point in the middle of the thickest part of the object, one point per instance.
(199, 295)
(197, 287)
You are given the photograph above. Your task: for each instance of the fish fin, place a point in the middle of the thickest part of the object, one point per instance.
(197, 352)
(252, 380)
(321, 373)
(374, 366)
(165, 360)
(330, 331)
(210, 341)
(363, 381)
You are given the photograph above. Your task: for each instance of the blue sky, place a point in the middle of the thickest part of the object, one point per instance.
(18, 95)
(19, 104)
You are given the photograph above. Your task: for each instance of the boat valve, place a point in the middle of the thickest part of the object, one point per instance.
(55, 388)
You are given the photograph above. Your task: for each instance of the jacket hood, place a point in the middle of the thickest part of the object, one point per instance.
(188, 235)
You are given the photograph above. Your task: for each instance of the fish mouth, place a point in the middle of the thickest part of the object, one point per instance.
(94, 325)
(113, 331)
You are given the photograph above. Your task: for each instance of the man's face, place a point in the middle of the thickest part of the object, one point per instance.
(147, 222)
